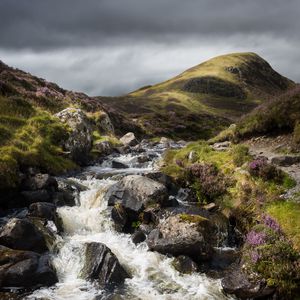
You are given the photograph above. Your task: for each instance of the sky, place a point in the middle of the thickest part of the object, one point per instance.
(112, 47)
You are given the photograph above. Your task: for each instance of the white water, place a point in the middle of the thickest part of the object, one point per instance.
(153, 276)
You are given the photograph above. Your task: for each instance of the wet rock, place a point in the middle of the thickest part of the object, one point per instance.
(39, 182)
(138, 237)
(102, 265)
(103, 147)
(79, 142)
(129, 139)
(222, 258)
(118, 165)
(25, 269)
(177, 236)
(43, 210)
(36, 196)
(68, 192)
(237, 283)
(137, 192)
(185, 265)
(164, 179)
(285, 161)
(223, 146)
(120, 218)
(21, 234)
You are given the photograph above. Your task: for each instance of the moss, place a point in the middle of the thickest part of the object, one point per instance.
(192, 218)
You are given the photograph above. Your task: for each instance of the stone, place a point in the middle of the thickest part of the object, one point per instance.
(39, 182)
(185, 265)
(136, 192)
(237, 283)
(138, 237)
(222, 146)
(103, 266)
(285, 161)
(118, 165)
(25, 269)
(36, 196)
(79, 142)
(129, 139)
(177, 236)
(103, 147)
(21, 234)
(211, 206)
(43, 210)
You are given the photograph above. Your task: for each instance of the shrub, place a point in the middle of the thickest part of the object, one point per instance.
(207, 181)
(272, 257)
(261, 168)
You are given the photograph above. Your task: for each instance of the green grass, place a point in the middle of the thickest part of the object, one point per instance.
(287, 214)
(29, 137)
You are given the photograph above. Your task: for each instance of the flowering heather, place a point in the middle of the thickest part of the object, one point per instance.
(271, 223)
(256, 238)
(257, 164)
(255, 256)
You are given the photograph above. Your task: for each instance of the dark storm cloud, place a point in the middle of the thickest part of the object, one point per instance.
(60, 23)
(110, 47)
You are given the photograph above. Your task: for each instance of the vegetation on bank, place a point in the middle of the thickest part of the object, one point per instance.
(29, 137)
(250, 191)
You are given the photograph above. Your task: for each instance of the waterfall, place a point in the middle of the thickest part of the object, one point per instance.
(153, 276)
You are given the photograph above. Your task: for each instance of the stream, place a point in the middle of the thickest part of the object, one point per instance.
(153, 276)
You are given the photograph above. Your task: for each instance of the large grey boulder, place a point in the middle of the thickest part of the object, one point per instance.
(236, 282)
(25, 269)
(129, 139)
(21, 234)
(183, 235)
(136, 192)
(79, 142)
(103, 266)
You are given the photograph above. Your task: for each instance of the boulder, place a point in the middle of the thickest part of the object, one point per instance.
(129, 139)
(185, 265)
(39, 182)
(25, 269)
(237, 283)
(285, 160)
(103, 147)
(136, 192)
(183, 235)
(222, 146)
(43, 210)
(103, 266)
(79, 142)
(36, 196)
(118, 165)
(21, 234)
(138, 237)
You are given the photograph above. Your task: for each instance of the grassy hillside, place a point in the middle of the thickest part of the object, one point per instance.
(204, 98)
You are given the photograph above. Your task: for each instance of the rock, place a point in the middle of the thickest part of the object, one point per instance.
(118, 165)
(136, 192)
(43, 210)
(185, 265)
(222, 258)
(105, 125)
(285, 161)
(192, 156)
(129, 139)
(211, 206)
(237, 283)
(177, 236)
(39, 182)
(120, 218)
(103, 147)
(138, 237)
(164, 179)
(79, 142)
(21, 234)
(102, 265)
(68, 192)
(223, 146)
(25, 269)
(166, 142)
(36, 196)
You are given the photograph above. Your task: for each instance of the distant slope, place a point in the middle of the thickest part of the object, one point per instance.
(203, 99)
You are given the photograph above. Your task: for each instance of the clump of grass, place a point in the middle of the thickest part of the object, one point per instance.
(240, 155)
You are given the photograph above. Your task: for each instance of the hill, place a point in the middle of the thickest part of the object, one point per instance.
(204, 99)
